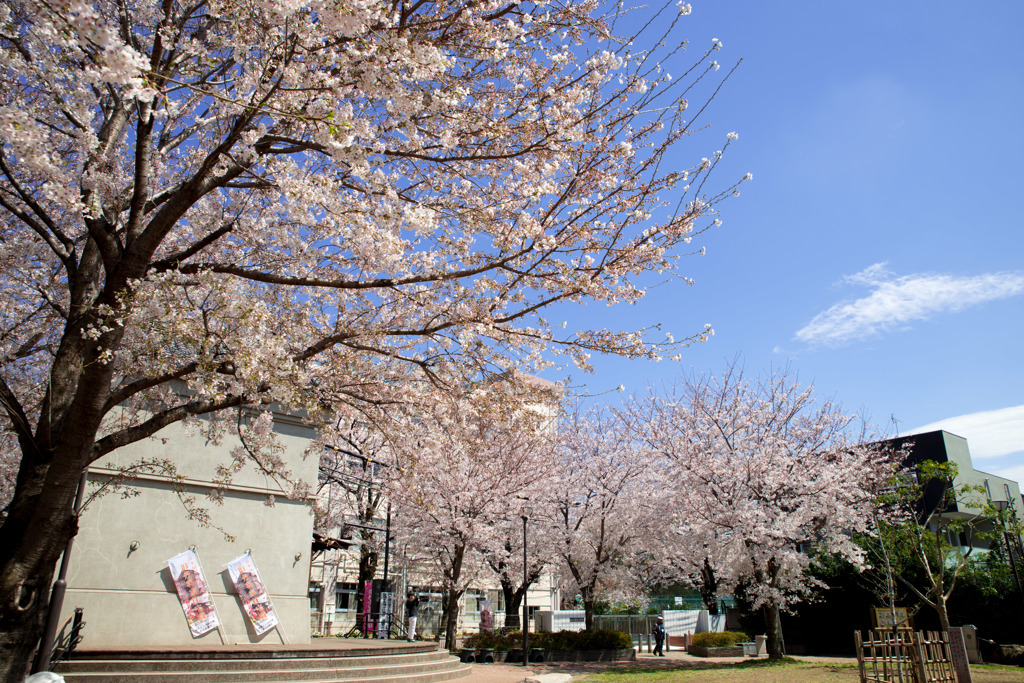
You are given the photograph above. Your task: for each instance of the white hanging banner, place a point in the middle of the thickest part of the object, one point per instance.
(253, 593)
(193, 592)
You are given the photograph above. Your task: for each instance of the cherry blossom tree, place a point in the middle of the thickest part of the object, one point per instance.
(762, 473)
(350, 468)
(608, 506)
(505, 559)
(471, 461)
(212, 205)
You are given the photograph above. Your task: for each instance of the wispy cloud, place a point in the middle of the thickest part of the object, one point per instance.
(1014, 473)
(989, 434)
(897, 301)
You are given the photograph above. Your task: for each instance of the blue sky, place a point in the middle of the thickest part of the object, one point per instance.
(879, 250)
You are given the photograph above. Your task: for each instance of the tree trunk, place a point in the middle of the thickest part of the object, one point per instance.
(451, 617)
(709, 587)
(773, 631)
(513, 605)
(26, 574)
(588, 613)
(40, 519)
(940, 609)
(451, 596)
(24, 616)
(367, 570)
(39, 522)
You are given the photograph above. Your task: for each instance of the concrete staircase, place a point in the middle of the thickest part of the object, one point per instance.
(400, 664)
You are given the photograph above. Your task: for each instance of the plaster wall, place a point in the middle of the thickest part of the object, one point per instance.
(128, 596)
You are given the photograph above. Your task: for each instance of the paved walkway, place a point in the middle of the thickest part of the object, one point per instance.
(482, 673)
(674, 659)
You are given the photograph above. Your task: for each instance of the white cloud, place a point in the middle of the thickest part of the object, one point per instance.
(1015, 473)
(989, 434)
(898, 300)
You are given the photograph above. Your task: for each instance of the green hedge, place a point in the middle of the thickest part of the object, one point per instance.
(721, 639)
(603, 639)
(494, 641)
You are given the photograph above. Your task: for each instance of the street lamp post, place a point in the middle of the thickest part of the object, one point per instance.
(526, 586)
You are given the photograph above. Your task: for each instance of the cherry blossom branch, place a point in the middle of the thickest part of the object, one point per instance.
(158, 421)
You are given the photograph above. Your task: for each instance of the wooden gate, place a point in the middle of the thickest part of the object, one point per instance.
(903, 656)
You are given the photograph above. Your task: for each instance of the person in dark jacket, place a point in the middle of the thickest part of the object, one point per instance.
(412, 607)
(659, 636)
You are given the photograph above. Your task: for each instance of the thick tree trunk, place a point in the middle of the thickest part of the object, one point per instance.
(367, 570)
(589, 601)
(22, 621)
(32, 538)
(513, 605)
(773, 631)
(451, 597)
(451, 617)
(40, 518)
(588, 613)
(709, 587)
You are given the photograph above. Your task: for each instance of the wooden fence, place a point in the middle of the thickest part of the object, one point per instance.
(904, 656)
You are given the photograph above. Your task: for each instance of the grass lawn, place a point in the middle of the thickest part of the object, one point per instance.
(787, 671)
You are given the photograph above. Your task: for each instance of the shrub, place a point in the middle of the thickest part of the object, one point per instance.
(721, 639)
(503, 641)
(481, 641)
(562, 640)
(605, 639)
(602, 639)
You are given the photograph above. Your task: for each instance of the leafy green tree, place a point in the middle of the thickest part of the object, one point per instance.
(921, 542)
(988, 597)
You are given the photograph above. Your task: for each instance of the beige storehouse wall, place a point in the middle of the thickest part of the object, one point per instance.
(128, 596)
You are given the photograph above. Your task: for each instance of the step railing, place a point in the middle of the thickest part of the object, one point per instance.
(68, 638)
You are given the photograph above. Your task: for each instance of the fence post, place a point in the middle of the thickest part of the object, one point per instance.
(919, 669)
(859, 645)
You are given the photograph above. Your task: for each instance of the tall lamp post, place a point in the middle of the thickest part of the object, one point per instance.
(1002, 506)
(526, 585)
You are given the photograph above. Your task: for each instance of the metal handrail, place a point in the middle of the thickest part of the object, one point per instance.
(67, 642)
(368, 624)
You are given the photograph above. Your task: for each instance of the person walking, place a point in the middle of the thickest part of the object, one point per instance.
(659, 636)
(412, 606)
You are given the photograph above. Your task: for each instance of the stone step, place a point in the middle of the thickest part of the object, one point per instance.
(382, 675)
(91, 665)
(228, 652)
(405, 664)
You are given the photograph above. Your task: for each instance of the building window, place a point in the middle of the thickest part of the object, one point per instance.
(345, 597)
(497, 598)
(1006, 490)
(474, 600)
(988, 491)
(314, 596)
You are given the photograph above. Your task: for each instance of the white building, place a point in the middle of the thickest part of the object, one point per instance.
(118, 571)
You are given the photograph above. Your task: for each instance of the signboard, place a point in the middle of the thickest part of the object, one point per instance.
(387, 608)
(883, 617)
(367, 606)
(253, 593)
(958, 654)
(193, 593)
